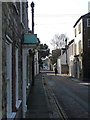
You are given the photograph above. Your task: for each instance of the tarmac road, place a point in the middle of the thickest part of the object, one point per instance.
(71, 95)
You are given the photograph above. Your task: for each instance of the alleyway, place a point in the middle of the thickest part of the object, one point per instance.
(57, 96)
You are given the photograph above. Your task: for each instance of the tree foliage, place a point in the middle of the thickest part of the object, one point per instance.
(55, 54)
(59, 41)
(43, 50)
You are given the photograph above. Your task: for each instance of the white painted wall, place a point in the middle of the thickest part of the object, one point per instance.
(77, 39)
(63, 57)
(70, 59)
(61, 61)
(79, 36)
(59, 65)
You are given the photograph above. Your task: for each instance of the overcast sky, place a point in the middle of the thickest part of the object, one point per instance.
(56, 17)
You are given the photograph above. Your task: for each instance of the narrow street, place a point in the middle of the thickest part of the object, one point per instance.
(70, 95)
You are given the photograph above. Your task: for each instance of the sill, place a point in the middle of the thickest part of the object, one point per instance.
(18, 103)
(11, 115)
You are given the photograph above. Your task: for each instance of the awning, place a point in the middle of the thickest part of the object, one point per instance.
(30, 39)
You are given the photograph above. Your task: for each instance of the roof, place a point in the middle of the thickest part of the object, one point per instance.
(83, 16)
(30, 39)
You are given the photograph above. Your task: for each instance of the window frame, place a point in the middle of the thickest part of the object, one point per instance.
(8, 43)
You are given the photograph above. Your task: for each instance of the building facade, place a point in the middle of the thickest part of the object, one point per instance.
(82, 47)
(13, 24)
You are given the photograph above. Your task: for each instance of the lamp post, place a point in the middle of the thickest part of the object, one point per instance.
(66, 49)
(32, 9)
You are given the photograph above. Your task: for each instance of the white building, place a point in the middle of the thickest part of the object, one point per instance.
(62, 66)
(71, 57)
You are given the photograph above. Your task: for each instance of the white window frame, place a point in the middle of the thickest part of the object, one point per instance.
(21, 17)
(21, 11)
(18, 102)
(88, 22)
(28, 82)
(10, 114)
(15, 5)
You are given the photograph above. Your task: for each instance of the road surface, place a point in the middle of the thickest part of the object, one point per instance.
(70, 94)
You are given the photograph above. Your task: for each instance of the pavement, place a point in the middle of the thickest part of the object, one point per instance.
(41, 103)
(36, 103)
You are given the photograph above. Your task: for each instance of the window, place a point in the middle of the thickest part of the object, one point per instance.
(72, 49)
(88, 42)
(75, 32)
(79, 46)
(75, 49)
(88, 22)
(79, 28)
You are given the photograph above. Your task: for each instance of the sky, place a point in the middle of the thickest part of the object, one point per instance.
(56, 17)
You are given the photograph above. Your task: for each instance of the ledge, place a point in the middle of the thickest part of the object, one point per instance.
(11, 115)
(18, 103)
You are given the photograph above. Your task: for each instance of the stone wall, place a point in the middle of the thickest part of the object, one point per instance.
(0, 60)
(14, 28)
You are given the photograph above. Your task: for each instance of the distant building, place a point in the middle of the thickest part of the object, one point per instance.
(62, 65)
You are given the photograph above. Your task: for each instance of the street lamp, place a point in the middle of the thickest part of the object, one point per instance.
(66, 49)
(32, 9)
